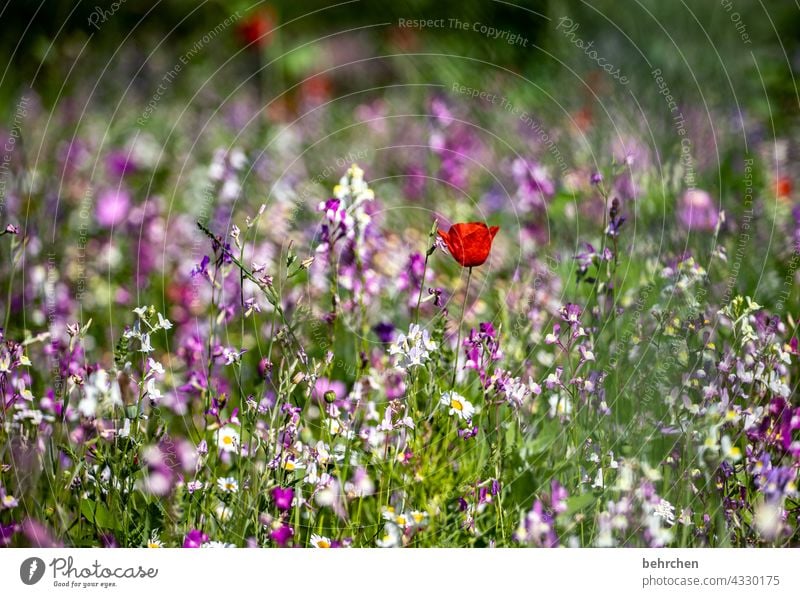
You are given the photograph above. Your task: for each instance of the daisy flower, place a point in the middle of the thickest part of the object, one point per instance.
(401, 520)
(320, 542)
(228, 484)
(227, 439)
(217, 544)
(154, 542)
(290, 465)
(391, 537)
(418, 519)
(458, 405)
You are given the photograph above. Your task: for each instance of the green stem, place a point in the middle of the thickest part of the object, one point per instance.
(421, 286)
(460, 324)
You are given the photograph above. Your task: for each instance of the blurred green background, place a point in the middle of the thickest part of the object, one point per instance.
(699, 45)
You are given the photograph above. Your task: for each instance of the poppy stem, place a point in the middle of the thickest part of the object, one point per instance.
(460, 324)
(421, 286)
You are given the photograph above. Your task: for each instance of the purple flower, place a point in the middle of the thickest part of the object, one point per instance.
(282, 535)
(395, 385)
(558, 497)
(38, 534)
(482, 348)
(414, 182)
(201, 269)
(534, 185)
(119, 164)
(697, 211)
(571, 313)
(194, 539)
(334, 385)
(109, 541)
(7, 532)
(385, 332)
(468, 433)
(113, 206)
(282, 496)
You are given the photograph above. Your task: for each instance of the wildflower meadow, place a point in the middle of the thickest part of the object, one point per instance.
(427, 275)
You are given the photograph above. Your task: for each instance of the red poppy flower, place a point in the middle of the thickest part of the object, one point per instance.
(469, 243)
(783, 188)
(257, 28)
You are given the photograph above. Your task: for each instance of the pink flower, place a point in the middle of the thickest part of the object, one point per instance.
(697, 211)
(282, 497)
(113, 207)
(195, 538)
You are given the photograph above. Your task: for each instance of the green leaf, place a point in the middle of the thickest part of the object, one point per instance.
(579, 502)
(98, 514)
(545, 438)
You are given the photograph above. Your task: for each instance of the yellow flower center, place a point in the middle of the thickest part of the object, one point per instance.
(418, 517)
(289, 466)
(401, 520)
(227, 440)
(456, 404)
(323, 544)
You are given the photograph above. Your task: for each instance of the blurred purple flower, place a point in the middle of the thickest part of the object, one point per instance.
(324, 384)
(38, 534)
(118, 163)
(385, 331)
(195, 538)
(534, 185)
(112, 207)
(283, 496)
(282, 535)
(697, 211)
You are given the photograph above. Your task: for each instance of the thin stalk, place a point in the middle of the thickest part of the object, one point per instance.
(460, 324)
(421, 286)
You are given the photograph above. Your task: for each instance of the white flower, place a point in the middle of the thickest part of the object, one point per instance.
(413, 349)
(9, 501)
(152, 390)
(154, 542)
(193, 486)
(334, 426)
(559, 405)
(146, 347)
(217, 545)
(227, 439)
(320, 542)
(164, 323)
(323, 454)
(418, 519)
(458, 405)
(730, 451)
(223, 512)
(665, 511)
(391, 537)
(228, 484)
(155, 366)
(767, 520)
